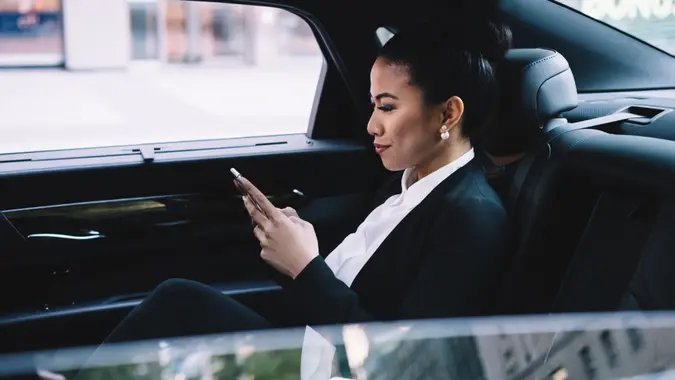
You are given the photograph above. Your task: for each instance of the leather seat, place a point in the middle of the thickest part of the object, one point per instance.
(536, 86)
(625, 258)
(593, 208)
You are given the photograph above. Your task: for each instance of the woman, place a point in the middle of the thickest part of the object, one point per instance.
(434, 247)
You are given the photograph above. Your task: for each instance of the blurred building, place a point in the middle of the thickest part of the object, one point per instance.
(438, 359)
(109, 34)
(588, 355)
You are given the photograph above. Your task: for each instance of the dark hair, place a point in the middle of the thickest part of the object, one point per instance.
(451, 61)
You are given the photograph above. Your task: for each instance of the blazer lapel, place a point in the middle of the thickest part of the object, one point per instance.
(392, 267)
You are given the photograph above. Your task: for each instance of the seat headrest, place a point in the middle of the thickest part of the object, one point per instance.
(536, 85)
(541, 79)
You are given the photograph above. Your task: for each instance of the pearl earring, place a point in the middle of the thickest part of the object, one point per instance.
(444, 132)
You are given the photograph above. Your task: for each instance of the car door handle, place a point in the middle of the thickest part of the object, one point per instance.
(89, 235)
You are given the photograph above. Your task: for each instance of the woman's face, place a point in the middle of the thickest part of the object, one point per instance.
(406, 131)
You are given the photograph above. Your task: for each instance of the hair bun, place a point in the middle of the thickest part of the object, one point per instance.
(491, 39)
(478, 34)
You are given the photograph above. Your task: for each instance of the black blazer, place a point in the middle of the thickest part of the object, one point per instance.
(444, 259)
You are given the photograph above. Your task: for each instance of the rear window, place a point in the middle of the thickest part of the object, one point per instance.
(100, 74)
(652, 21)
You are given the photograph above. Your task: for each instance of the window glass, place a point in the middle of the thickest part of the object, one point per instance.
(607, 342)
(635, 339)
(649, 21)
(156, 71)
(587, 362)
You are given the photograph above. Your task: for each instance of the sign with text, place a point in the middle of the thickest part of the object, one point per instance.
(619, 10)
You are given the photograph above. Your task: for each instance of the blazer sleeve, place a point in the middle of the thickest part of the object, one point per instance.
(468, 247)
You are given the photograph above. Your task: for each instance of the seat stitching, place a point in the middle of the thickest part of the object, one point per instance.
(536, 103)
(529, 66)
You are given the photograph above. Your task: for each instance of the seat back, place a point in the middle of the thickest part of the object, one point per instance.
(536, 87)
(581, 198)
(626, 256)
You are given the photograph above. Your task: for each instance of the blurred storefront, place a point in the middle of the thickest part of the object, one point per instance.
(31, 33)
(38, 33)
(199, 31)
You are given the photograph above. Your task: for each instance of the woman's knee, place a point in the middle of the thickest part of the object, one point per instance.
(177, 290)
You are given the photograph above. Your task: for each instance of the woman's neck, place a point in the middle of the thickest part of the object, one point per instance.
(449, 155)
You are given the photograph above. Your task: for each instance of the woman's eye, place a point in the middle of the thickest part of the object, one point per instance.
(385, 108)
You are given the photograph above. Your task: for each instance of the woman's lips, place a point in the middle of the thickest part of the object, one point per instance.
(379, 148)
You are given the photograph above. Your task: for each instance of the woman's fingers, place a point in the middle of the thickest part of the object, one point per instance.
(289, 212)
(258, 217)
(260, 235)
(258, 197)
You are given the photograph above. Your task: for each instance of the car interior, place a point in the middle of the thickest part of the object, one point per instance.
(88, 233)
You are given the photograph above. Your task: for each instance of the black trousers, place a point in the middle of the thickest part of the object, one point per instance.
(180, 308)
(186, 308)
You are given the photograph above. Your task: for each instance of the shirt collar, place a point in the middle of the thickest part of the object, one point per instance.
(421, 188)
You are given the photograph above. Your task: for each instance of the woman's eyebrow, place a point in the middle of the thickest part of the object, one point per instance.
(386, 95)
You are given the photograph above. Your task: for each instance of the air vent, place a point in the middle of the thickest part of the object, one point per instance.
(647, 114)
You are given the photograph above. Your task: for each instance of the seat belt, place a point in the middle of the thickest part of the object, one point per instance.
(525, 165)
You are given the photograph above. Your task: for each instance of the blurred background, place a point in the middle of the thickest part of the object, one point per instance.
(32, 31)
(120, 72)
(92, 73)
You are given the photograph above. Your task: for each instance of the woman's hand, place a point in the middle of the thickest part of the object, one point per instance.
(288, 243)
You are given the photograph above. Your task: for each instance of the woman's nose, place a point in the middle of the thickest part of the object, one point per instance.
(374, 128)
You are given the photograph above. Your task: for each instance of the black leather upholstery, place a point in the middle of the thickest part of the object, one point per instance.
(586, 202)
(536, 85)
(630, 255)
(574, 195)
(547, 87)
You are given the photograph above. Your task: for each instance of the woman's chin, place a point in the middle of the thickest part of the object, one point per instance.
(391, 166)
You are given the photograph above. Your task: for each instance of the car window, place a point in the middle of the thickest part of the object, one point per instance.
(650, 21)
(151, 72)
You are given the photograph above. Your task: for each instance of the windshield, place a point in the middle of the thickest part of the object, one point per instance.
(615, 346)
(650, 21)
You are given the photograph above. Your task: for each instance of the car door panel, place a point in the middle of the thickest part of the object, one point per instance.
(77, 246)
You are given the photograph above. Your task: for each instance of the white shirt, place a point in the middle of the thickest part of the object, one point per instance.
(347, 260)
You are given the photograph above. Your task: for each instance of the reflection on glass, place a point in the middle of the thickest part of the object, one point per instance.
(635, 339)
(30, 32)
(587, 362)
(559, 374)
(607, 342)
(384, 351)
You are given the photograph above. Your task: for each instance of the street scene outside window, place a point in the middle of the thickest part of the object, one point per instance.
(151, 71)
(652, 21)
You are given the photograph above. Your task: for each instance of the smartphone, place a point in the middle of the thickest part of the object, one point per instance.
(243, 192)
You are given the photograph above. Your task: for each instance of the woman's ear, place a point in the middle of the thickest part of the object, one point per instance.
(452, 112)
